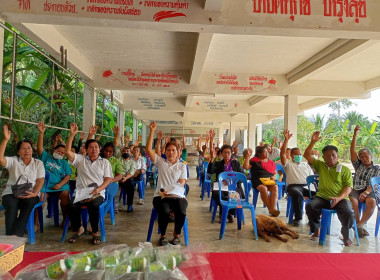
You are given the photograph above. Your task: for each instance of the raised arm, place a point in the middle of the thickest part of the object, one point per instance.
(158, 143)
(116, 131)
(92, 132)
(246, 164)
(167, 140)
(307, 154)
(354, 155)
(73, 132)
(137, 142)
(287, 136)
(149, 143)
(40, 141)
(3, 145)
(274, 142)
(183, 142)
(199, 147)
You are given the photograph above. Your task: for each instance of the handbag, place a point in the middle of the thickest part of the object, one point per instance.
(21, 189)
(267, 181)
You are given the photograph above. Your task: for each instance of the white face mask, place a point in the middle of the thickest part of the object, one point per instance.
(315, 156)
(57, 156)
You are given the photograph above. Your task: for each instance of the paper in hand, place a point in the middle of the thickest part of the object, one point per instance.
(82, 194)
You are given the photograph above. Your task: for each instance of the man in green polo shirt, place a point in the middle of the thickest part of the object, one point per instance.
(335, 184)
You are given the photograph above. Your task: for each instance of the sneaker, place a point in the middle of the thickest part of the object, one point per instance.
(141, 202)
(296, 223)
(175, 241)
(163, 241)
(130, 209)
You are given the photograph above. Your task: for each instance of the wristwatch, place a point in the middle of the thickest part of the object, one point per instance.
(367, 192)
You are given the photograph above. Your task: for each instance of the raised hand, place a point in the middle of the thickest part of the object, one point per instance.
(99, 136)
(7, 132)
(287, 135)
(92, 130)
(58, 137)
(207, 136)
(315, 137)
(275, 140)
(127, 137)
(356, 130)
(73, 129)
(82, 136)
(234, 143)
(212, 133)
(218, 143)
(41, 127)
(152, 126)
(116, 130)
(159, 135)
(140, 136)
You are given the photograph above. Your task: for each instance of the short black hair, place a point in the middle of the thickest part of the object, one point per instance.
(88, 142)
(19, 143)
(293, 150)
(59, 146)
(75, 148)
(226, 147)
(329, 148)
(109, 144)
(259, 150)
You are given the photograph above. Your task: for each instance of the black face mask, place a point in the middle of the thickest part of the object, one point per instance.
(125, 156)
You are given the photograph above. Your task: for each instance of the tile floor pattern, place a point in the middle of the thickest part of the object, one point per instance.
(131, 228)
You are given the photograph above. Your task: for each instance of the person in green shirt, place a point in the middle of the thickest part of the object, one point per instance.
(117, 167)
(335, 184)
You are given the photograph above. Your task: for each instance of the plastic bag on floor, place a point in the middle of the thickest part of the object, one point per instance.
(5, 275)
(174, 274)
(88, 275)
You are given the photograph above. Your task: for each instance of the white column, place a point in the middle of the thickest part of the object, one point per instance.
(121, 121)
(221, 136)
(89, 107)
(245, 140)
(1, 60)
(290, 118)
(144, 136)
(251, 131)
(232, 132)
(259, 133)
(135, 132)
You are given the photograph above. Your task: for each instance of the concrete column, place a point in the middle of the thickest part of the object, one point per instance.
(144, 135)
(232, 132)
(135, 132)
(1, 60)
(221, 136)
(89, 107)
(259, 133)
(251, 131)
(290, 118)
(121, 121)
(245, 138)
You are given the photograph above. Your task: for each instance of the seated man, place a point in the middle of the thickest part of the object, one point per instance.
(335, 184)
(273, 152)
(296, 173)
(362, 192)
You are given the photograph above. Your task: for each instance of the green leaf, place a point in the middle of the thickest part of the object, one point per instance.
(33, 91)
(373, 128)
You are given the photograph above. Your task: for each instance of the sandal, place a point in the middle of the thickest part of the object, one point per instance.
(96, 240)
(75, 237)
(314, 236)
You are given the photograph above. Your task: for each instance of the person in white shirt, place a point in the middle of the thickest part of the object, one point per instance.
(92, 171)
(273, 153)
(140, 168)
(296, 174)
(22, 169)
(170, 190)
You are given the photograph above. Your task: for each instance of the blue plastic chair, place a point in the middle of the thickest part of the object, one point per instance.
(326, 224)
(310, 180)
(38, 206)
(53, 209)
(375, 182)
(232, 179)
(154, 217)
(281, 185)
(141, 188)
(104, 208)
(206, 185)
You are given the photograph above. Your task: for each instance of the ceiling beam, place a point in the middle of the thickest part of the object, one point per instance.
(213, 5)
(256, 99)
(331, 55)
(189, 101)
(372, 84)
(201, 51)
(314, 103)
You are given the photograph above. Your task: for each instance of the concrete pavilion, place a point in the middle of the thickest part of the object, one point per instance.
(193, 65)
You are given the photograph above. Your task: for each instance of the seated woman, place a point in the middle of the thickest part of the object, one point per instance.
(92, 172)
(22, 169)
(362, 190)
(59, 169)
(170, 191)
(262, 167)
(217, 167)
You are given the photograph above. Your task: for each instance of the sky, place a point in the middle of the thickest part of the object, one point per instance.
(369, 107)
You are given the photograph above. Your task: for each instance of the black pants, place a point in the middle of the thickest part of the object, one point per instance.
(15, 225)
(163, 206)
(297, 193)
(129, 188)
(74, 213)
(215, 196)
(343, 210)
